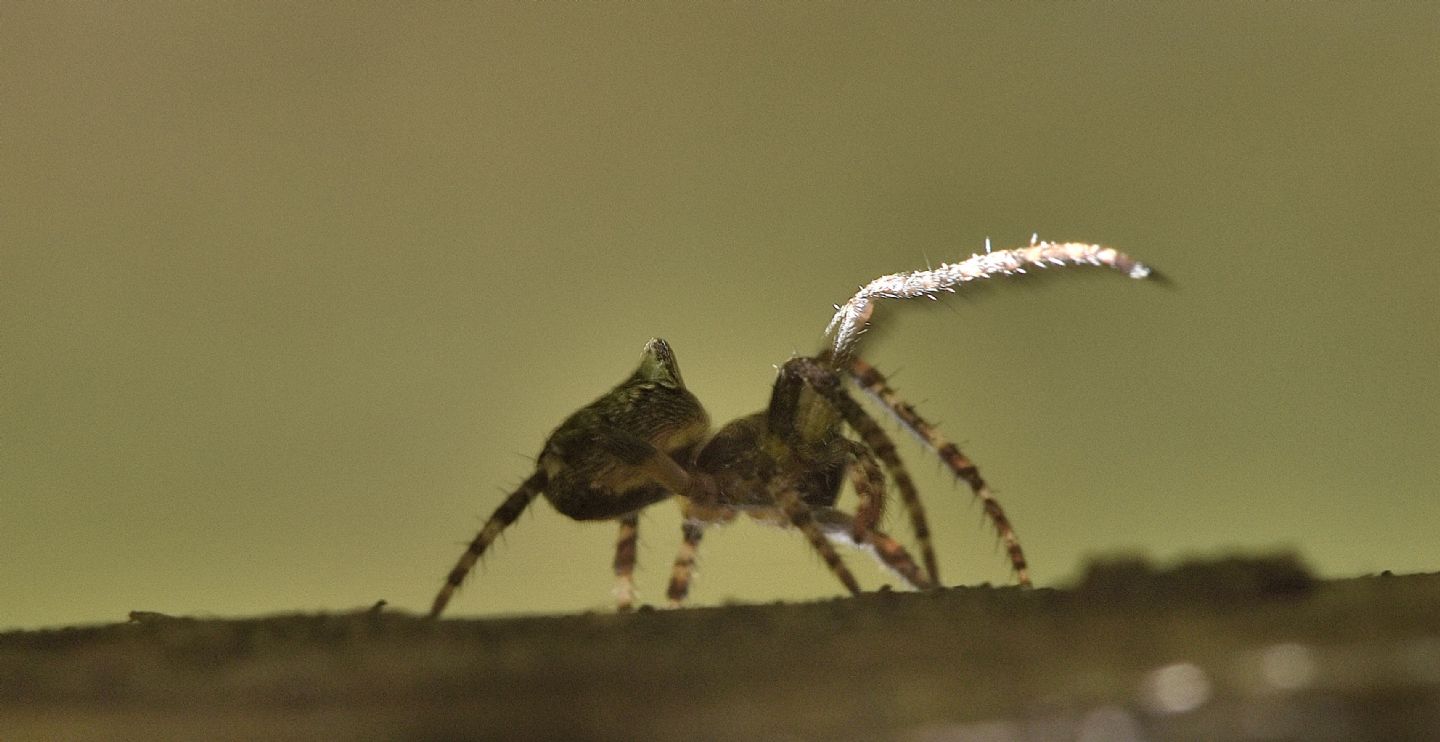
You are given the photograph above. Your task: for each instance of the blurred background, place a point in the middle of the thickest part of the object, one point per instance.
(290, 295)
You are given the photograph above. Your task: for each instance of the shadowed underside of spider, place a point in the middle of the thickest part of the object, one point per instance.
(649, 439)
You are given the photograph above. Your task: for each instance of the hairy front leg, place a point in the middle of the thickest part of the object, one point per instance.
(869, 485)
(802, 517)
(959, 464)
(886, 550)
(784, 409)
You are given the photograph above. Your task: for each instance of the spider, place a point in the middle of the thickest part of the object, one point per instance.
(649, 439)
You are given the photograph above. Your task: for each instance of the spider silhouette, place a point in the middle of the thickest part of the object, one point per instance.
(649, 439)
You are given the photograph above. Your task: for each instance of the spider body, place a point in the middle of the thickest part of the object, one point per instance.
(623, 451)
(785, 465)
(796, 445)
(649, 439)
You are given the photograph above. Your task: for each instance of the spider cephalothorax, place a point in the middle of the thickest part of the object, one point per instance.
(649, 439)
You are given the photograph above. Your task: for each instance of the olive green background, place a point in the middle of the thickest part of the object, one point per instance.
(290, 294)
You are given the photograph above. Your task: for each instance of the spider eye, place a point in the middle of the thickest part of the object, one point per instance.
(658, 364)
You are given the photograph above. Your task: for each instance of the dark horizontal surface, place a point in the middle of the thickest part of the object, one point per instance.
(1235, 649)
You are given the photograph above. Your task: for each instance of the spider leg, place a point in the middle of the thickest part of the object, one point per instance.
(503, 516)
(886, 550)
(792, 510)
(625, 562)
(802, 517)
(824, 381)
(962, 467)
(878, 441)
(869, 484)
(691, 532)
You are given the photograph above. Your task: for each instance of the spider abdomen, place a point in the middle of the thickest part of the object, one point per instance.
(624, 451)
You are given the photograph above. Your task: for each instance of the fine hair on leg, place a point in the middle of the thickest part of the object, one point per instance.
(958, 463)
(501, 519)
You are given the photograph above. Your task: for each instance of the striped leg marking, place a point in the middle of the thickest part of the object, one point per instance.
(800, 516)
(684, 569)
(827, 384)
(886, 550)
(625, 547)
(869, 484)
(879, 442)
(503, 516)
(962, 467)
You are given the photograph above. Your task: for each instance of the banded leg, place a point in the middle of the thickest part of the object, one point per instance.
(869, 485)
(840, 527)
(878, 441)
(793, 511)
(625, 547)
(801, 516)
(691, 532)
(827, 384)
(961, 466)
(501, 519)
